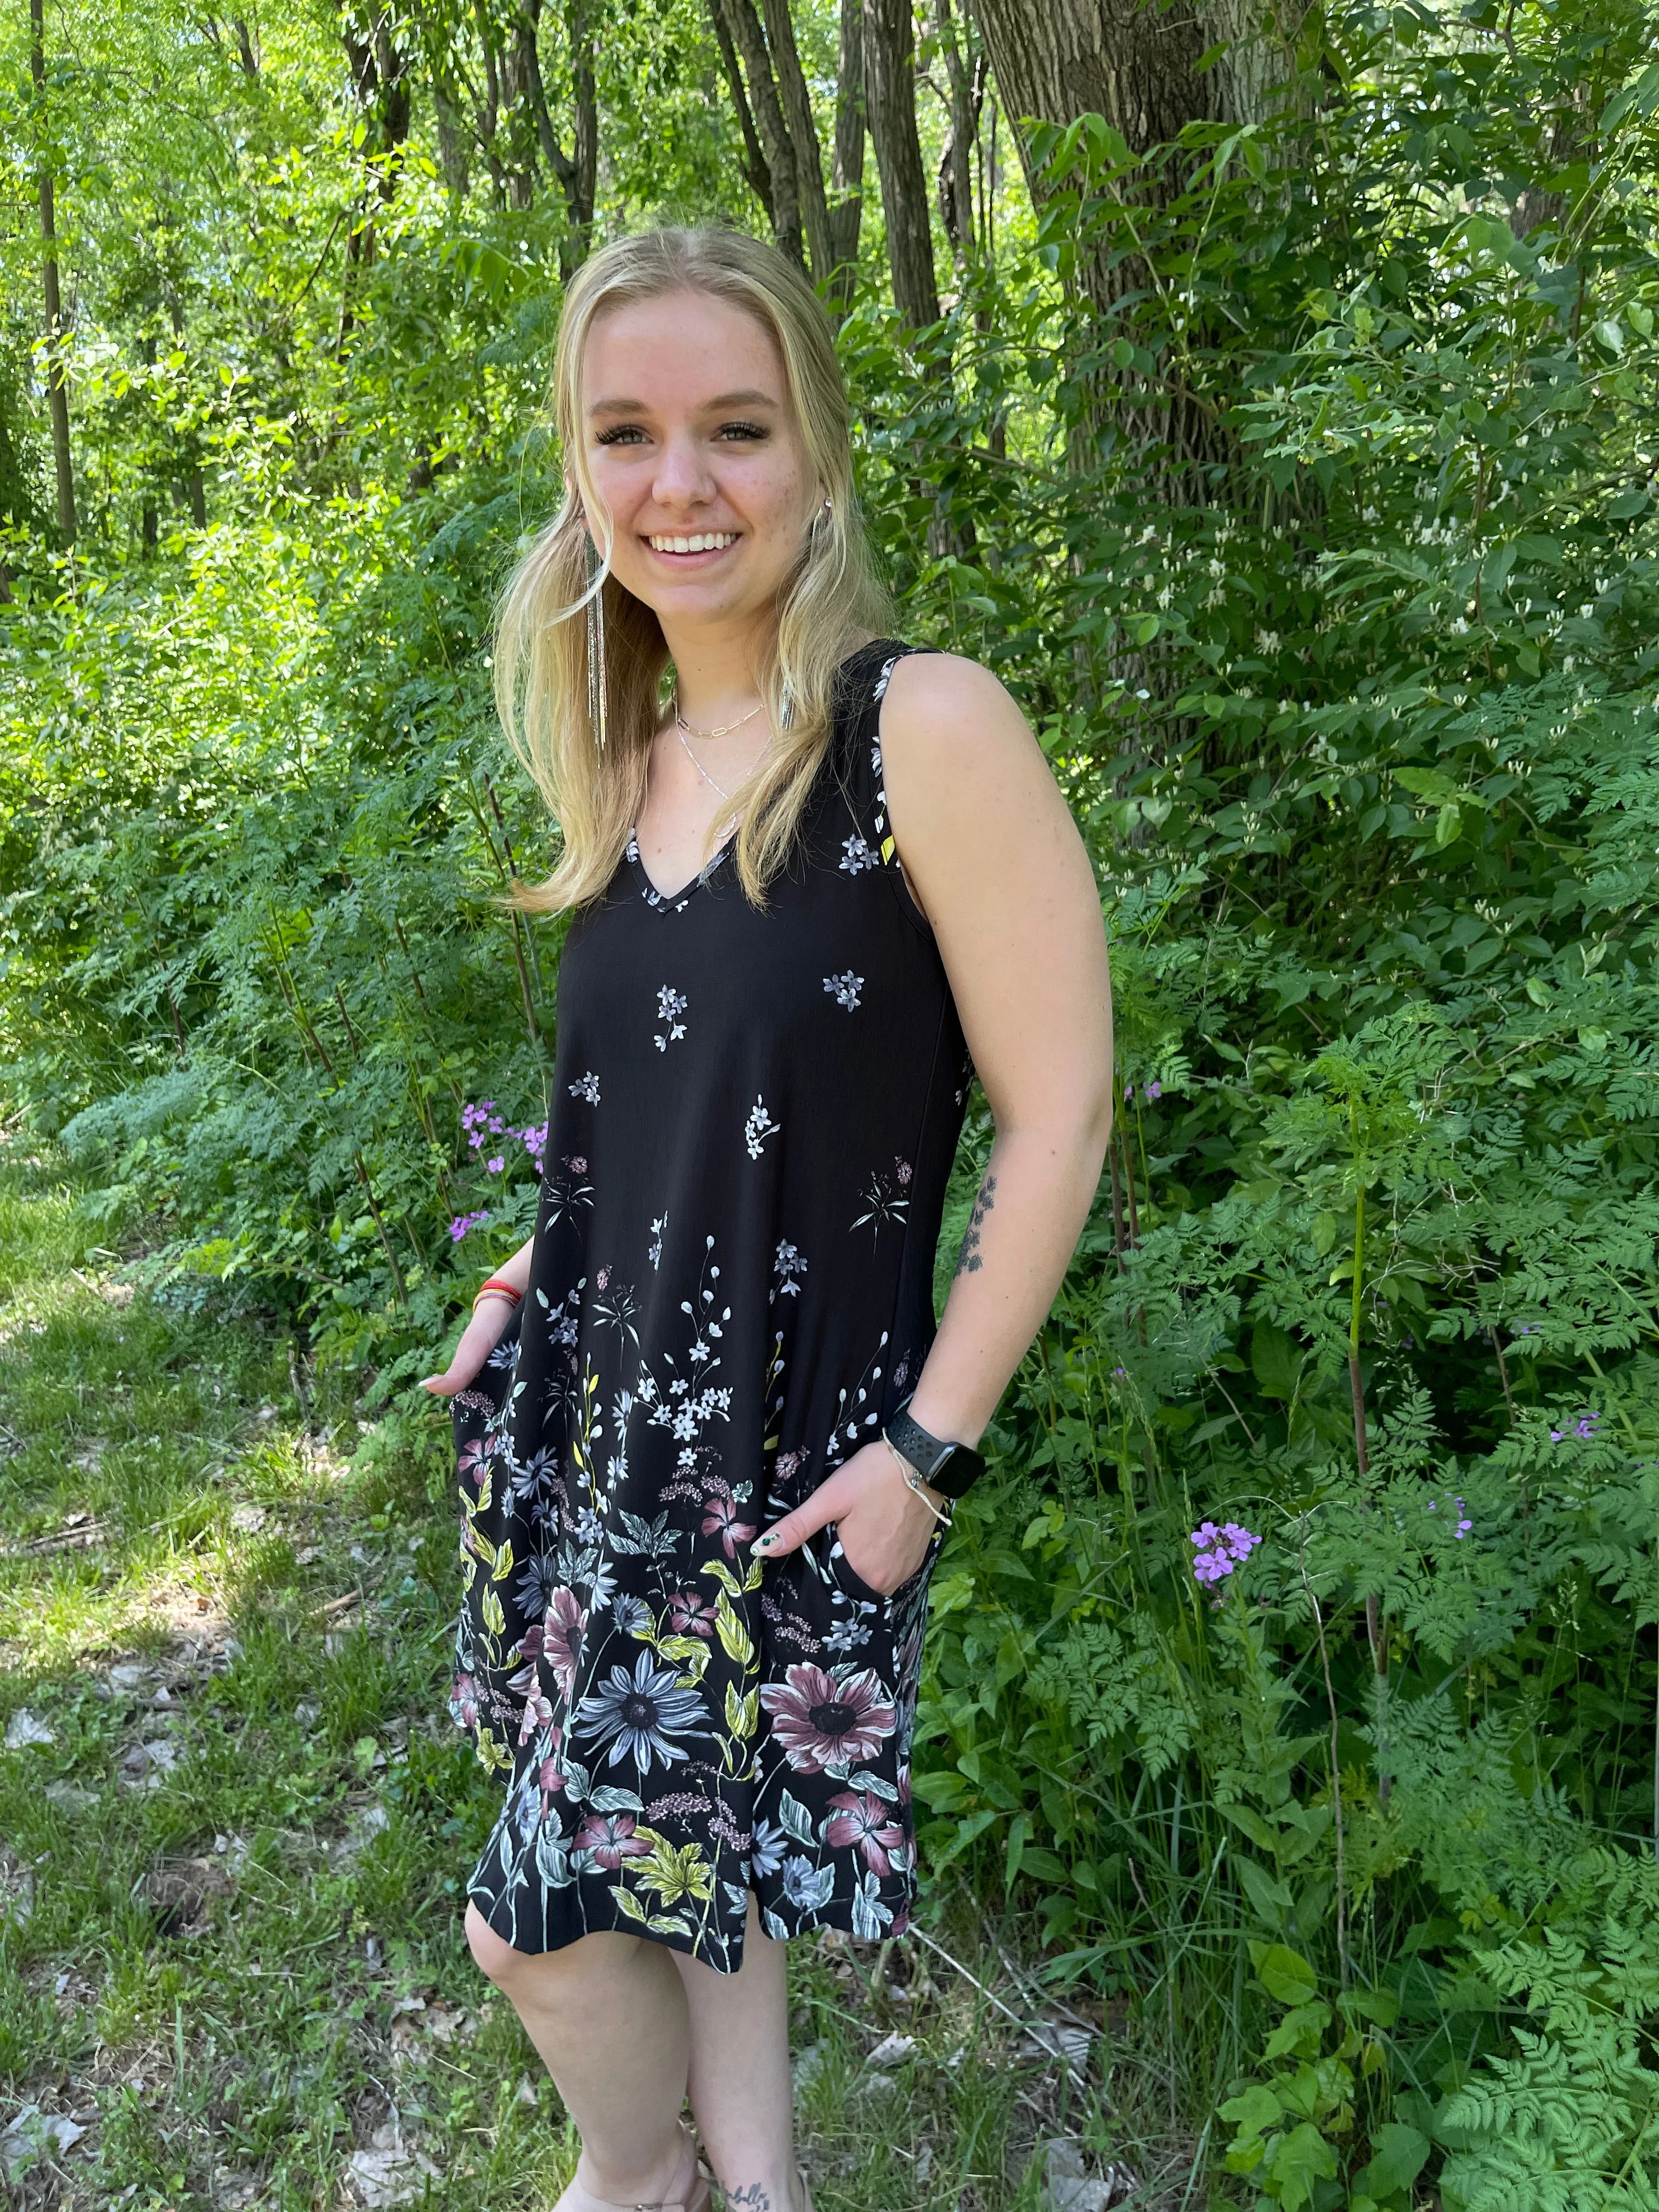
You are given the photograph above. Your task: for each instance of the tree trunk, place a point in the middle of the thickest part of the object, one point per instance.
(745, 34)
(804, 133)
(966, 72)
(1131, 61)
(756, 169)
(585, 135)
(846, 214)
(890, 72)
(57, 380)
(1136, 63)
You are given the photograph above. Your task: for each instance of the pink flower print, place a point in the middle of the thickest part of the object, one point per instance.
(562, 1632)
(721, 1519)
(472, 1461)
(823, 1723)
(550, 1779)
(602, 1280)
(610, 1838)
(464, 1700)
(577, 1167)
(691, 1613)
(903, 1170)
(537, 1714)
(860, 1818)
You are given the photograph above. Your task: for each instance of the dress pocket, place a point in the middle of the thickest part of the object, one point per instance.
(847, 1578)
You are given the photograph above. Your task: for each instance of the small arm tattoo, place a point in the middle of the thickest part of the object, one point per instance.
(968, 1260)
(752, 2197)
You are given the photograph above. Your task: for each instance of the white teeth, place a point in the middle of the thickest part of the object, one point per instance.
(709, 541)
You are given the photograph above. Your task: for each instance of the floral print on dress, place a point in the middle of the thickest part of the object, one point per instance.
(758, 1129)
(676, 1724)
(885, 1198)
(671, 1004)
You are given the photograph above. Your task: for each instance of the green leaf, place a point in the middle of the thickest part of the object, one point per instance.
(1253, 2110)
(1275, 1361)
(1398, 2153)
(1302, 2158)
(1284, 1974)
(1270, 1897)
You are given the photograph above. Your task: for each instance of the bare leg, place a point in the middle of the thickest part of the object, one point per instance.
(609, 2015)
(739, 2074)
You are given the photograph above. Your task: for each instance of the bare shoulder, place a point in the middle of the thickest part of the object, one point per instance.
(941, 706)
(960, 762)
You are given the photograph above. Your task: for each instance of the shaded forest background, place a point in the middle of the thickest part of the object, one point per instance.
(1268, 398)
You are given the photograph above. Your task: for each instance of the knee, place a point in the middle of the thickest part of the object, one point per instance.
(495, 1956)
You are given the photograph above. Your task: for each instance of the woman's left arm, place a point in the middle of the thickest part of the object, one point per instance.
(993, 859)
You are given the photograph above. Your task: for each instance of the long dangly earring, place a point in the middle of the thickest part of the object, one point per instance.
(597, 672)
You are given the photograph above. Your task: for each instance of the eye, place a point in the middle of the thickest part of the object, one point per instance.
(621, 434)
(745, 431)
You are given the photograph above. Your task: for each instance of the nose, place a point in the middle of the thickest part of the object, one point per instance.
(683, 477)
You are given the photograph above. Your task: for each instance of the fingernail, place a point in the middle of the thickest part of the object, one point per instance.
(763, 1543)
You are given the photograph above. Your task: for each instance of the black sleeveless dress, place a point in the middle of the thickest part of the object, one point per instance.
(754, 1117)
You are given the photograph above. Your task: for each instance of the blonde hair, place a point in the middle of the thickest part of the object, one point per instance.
(829, 604)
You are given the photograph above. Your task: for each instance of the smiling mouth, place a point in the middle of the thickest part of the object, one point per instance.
(703, 541)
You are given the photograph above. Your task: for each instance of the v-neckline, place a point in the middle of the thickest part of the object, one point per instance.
(658, 898)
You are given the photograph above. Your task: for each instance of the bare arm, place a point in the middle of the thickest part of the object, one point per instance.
(483, 1331)
(994, 859)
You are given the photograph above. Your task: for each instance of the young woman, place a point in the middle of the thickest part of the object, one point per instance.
(708, 1436)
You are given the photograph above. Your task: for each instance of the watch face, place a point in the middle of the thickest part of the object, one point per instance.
(957, 1471)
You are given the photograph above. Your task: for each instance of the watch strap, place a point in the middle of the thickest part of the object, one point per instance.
(950, 1469)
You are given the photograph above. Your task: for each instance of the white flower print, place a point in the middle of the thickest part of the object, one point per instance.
(786, 1266)
(887, 1197)
(887, 668)
(858, 1412)
(671, 1004)
(856, 856)
(758, 1127)
(843, 989)
(586, 1086)
(654, 1252)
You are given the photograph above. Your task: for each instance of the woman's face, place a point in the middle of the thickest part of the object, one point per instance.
(693, 447)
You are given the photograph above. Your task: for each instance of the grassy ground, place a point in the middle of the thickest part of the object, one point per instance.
(234, 1823)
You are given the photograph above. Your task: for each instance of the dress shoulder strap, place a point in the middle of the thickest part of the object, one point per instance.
(861, 686)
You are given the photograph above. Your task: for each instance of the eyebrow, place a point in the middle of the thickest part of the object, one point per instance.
(713, 406)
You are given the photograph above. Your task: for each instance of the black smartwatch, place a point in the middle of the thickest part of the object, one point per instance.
(952, 1469)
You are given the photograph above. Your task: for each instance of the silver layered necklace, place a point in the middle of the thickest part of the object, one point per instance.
(684, 731)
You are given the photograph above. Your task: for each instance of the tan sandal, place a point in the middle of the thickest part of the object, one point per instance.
(696, 2198)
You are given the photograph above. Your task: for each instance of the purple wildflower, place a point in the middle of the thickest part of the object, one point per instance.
(463, 1222)
(1128, 1093)
(1154, 1090)
(1220, 1550)
(496, 1164)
